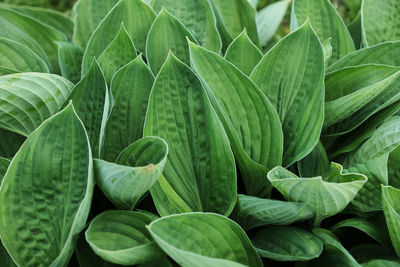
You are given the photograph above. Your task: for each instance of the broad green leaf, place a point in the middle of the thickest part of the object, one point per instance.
(121, 237)
(91, 100)
(391, 204)
(9, 143)
(251, 212)
(3, 167)
(204, 239)
(268, 20)
(47, 191)
(286, 243)
(6, 260)
(197, 16)
(167, 34)
(327, 24)
(251, 122)
(295, 86)
(118, 53)
(393, 168)
(243, 53)
(88, 14)
(27, 99)
(199, 155)
(314, 164)
(70, 60)
(232, 17)
(354, 28)
(137, 18)
(18, 57)
(130, 87)
(381, 263)
(379, 19)
(138, 167)
(326, 196)
(6, 71)
(86, 256)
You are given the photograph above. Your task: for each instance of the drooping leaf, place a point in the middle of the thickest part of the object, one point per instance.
(314, 164)
(204, 239)
(391, 204)
(27, 99)
(9, 143)
(70, 60)
(46, 194)
(138, 167)
(121, 237)
(295, 86)
(243, 53)
(199, 155)
(251, 122)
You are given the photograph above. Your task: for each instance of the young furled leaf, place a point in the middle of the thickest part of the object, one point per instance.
(391, 204)
(70, 60)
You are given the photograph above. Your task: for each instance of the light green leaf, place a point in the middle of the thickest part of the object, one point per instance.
(197, 16)
(314, 164)
(204, 239)
(327, 24)
(18, 57)
(130, 87)
(3, 167)
(251, 122)
(199, 155)
(27, 99)
(70, 60)
(47, 191)
(137, 17)
(379, 20)
(251, 212)
(138, 167)
(253, 3)
(243, 53)
(9, 143)
(391, 204)
(121, 237)
(286, 243)
(326, 196)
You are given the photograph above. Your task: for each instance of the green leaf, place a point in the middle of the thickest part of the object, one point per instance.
(286, 243)
(86, 256)
(70, 60)
(137, 17)
(6, 260)
(121, 237)
(47, 191)
(369, 251)
(91, 100)
(130, 87)
(27, 99)
(393, 168)
(199, 155)
(6, 71)
(354, 28)
(391, 204)
(243, 53)
(232, 17)
(251, 122)
(3, 167)
(295, 86)
(326, 196)
(204, 239)
(381, 263)
(138, 167)
(379, 20)
(9, 143)
(167, 34)
(197, 16)
(327, 24)
(314, 164)
(251, 212)
(18, 57)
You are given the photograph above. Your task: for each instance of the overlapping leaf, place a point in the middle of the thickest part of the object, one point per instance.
(70, 60)
(391, 204)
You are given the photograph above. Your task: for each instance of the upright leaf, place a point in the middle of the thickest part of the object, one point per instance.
(70, 60)
(391, 204)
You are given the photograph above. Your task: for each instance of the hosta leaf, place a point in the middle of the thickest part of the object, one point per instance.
(27, 99)
(268, 20)
(393, 168)
(9, 143)
(379, 20)
(91, 100)
(232, 17)
(167, 34)
(199, 155)
(3, 167)
(251, 212)
(47, 191)
(354, 28)
(286, 243)
(197, 16)
(137, 169)
(18, 57)
(295, 86)
(391, 204)
(314, 164)
(253, 3)
(326, 196)
(6, 260)
(6, 71)
(250, 120)
(70, 60)
(327, 24)
(121, 237)
(369, 251)
(381, 263)
(204, 239)
(243, 53)
(130, 87)
(88, 14)
(137, 17)
(86, 256)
